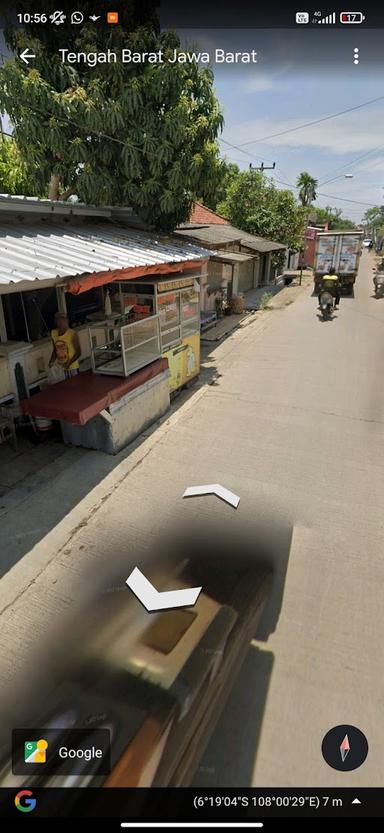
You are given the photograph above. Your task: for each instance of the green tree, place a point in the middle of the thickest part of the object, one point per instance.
(226, 174)
(374, 217)
(13, 174)
(253, 203)
(334, 218)
(307, 188)
(142, 134)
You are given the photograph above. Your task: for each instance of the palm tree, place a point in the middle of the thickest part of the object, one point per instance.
(307, 185)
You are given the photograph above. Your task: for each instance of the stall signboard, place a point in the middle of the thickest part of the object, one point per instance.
(184, 361)
(171, 286)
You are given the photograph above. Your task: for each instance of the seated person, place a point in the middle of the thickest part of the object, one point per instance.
(330, 283)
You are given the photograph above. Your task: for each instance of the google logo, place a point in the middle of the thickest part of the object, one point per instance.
(25, 805)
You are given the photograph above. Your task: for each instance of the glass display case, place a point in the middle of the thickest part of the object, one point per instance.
(120, 349)
(176, 301)
(174, 304)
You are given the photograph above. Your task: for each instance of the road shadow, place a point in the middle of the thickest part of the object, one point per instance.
(276, 558)
(42, 482)
(326, 320)
(230, 757)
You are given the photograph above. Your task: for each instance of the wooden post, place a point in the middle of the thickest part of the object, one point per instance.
(3, 329)
(301, 265)
(61, 301)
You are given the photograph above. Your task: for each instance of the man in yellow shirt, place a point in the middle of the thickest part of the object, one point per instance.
(330, 283)
(66, 346)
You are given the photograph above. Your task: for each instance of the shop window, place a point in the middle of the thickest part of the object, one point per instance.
(81, 307)
(29, 316)
(189, 304)
(14, 317)
(169, 311)
(190, 321)
(137, 300)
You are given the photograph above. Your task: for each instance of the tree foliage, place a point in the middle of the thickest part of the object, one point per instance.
(13, 175)
(253, 203)
(307, 188)
(334, 218)
(374, 222)
(226, 174)
(374, 217)
(137, 134)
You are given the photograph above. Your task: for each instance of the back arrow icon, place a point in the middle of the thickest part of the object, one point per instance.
(26, 56)
(152, 600)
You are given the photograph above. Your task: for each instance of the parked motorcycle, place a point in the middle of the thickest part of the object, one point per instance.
(326, 303)
(379, 284)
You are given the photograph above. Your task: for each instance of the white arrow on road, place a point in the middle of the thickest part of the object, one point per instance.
(213, 489)
(26, 56)
(153, 600)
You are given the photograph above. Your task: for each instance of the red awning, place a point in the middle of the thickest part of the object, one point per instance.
(85, 282)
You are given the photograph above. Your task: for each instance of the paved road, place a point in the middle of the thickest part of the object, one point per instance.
(294, 424)
(316, 409)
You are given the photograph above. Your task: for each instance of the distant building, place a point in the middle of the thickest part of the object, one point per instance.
(201, 214)
(241, 261)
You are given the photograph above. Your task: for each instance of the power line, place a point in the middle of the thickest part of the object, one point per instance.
(353, 162)
(344, 199)
(319, 193)
(252, 156)
(238, 147)
(88, 131)
(309, 123)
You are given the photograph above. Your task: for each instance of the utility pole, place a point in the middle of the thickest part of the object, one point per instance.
(262, 167)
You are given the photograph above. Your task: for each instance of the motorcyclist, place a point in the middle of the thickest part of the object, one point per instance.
(330, 283)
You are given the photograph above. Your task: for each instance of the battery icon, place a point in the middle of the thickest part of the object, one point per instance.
(351, 17)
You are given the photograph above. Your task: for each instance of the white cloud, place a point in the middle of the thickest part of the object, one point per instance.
(257, 84)
(261, 79)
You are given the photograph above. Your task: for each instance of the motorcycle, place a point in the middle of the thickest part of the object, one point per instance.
(326, 304)
(379, 284)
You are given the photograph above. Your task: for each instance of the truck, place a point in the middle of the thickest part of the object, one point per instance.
(340, 250)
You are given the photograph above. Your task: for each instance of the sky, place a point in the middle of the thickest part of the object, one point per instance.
(301, 76)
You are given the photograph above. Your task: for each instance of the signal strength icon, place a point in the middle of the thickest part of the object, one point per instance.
(330, 18)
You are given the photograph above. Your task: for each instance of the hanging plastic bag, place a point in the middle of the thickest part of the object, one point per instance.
(55, 374)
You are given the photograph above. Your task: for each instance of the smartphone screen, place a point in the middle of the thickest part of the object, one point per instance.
(191, 413)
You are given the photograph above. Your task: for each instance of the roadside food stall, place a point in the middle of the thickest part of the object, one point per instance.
(143, 340)
(158, 317)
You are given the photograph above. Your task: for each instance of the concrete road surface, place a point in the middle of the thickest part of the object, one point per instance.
(294, 424)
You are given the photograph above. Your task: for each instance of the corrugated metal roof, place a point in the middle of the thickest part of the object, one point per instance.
(20, 204)
(213, 234)
(233, 257)
(45, 252)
